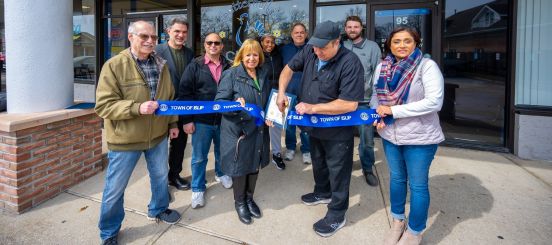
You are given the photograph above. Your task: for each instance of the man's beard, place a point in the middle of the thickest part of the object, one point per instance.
(353, 36)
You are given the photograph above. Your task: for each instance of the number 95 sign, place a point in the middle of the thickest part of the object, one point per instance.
(401, 20)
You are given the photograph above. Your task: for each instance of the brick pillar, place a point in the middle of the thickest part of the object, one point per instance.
(41, 161)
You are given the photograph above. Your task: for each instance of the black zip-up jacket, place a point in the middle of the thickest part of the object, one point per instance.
(273, 65)
(197, 84)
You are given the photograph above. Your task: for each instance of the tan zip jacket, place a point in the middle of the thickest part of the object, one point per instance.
(121, 89)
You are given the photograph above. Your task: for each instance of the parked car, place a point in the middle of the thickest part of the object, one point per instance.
(84, 67)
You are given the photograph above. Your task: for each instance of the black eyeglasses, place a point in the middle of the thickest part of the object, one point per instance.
(145, 37)
(209, 43)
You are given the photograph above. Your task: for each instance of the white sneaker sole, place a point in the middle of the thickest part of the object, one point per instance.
(276, 165)
(170, 223)
(197, 206)
(331, 233)
(323, 201)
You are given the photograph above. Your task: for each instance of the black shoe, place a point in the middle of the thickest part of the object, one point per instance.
(168, 216)
(278, 161)
(370, 178)
(313, 199)
(179, 183)
(243, 212)
(253, 208)
(110, 241)
(328, 226)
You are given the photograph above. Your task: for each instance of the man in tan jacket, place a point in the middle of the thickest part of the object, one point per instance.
(129, 86)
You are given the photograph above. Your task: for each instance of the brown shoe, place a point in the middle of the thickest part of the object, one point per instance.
(395, 233)
(410, 239)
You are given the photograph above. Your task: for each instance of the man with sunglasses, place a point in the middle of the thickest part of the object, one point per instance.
(200, 83)
(178, 56)
(129, 86)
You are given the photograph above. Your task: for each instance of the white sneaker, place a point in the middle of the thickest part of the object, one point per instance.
(225, 180)
(289, 155)
(307, 158)
(197, 199)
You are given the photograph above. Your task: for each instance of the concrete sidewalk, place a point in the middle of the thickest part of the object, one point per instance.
(476, 198)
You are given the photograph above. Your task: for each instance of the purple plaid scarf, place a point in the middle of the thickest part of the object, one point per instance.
(395, 78)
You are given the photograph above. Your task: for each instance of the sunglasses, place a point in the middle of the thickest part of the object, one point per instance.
(209, 43)
(145, 37)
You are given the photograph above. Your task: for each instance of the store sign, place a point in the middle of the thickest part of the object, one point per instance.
(244, 3)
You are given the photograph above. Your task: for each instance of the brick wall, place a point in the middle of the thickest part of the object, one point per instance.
(40, 162)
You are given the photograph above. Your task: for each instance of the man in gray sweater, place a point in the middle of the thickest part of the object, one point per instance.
(370, 55)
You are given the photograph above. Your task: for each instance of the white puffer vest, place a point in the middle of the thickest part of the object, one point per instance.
(416, 130)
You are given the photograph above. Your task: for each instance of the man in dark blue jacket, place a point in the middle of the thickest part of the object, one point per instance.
(199, 83)
(178, 56)
(299, 37)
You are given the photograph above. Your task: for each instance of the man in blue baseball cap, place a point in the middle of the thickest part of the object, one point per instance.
(332, 83)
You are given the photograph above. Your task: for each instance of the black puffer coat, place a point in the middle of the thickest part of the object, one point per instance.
(244, 146)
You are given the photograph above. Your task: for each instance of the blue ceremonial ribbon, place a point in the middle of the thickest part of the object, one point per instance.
(358, 117)
(207, 107)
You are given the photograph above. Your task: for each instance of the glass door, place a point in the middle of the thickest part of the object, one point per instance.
(423, 17)
(475, 67)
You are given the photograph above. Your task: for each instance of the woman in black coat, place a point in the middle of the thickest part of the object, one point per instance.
(244, 146)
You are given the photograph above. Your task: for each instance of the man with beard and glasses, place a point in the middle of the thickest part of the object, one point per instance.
(370, 55)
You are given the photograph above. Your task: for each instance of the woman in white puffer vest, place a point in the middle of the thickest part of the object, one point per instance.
(409, 89)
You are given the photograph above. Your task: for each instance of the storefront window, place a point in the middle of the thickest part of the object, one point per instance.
(241, 20)
(533, 73)
(119, 14)
(122, 7)
(340, 12)
(84, 50)
(474, 59)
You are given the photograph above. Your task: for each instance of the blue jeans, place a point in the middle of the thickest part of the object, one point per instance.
(409, 163)
(291, 139)
(366, 145)
(121, 165)
(201, 142)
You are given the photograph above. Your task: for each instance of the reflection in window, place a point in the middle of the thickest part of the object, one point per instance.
(84, 50)
(340, 13)
(235, 23)
(475, 70)
(217, 19)
(276, 18)
(115, 37)
(120, 7)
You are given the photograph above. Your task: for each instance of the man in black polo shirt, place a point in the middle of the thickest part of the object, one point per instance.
(332, 83)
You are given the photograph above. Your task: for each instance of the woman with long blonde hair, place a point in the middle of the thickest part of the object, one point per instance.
(245, 146)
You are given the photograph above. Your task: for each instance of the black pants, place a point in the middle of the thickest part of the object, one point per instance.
(332, 164)
(244, 186)
(176, 153)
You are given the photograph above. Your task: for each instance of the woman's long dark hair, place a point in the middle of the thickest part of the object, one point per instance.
(410, 31)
